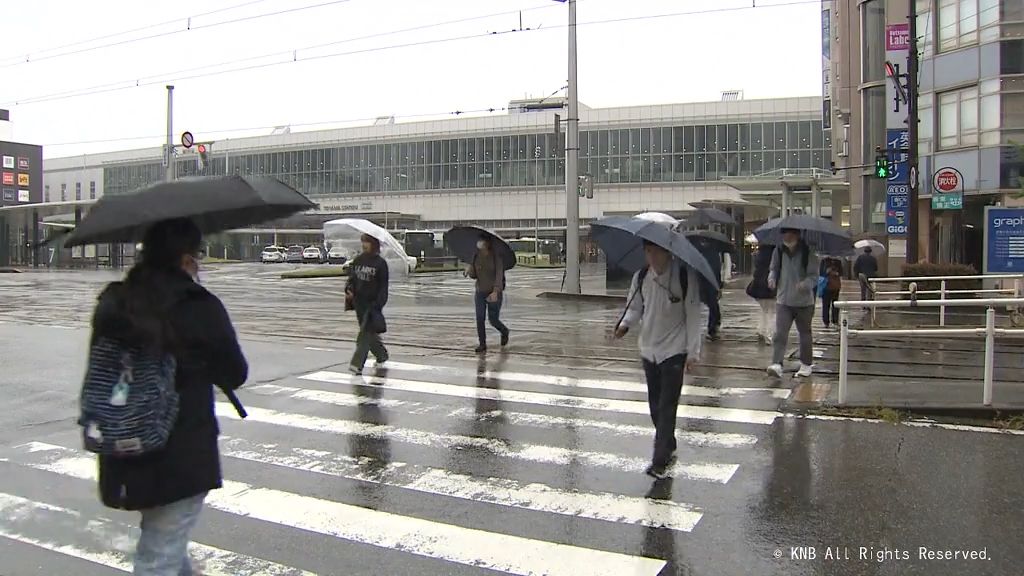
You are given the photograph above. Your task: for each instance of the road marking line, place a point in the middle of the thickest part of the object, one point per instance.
(571, 382)
(539, 454)
(503, 492)
(110, 543)
(468, 546)
(910, 423)
(315, 349)
(542, 399)
(691, 437)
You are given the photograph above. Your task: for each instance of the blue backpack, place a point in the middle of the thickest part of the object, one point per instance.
(129, 403)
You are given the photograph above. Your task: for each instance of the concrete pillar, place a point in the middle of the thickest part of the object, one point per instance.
(815, 199)
(785, 199)
(35, 239)
(5, 242)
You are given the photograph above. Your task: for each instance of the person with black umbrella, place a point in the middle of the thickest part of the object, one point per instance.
(160, 324)
(664, 299)
(367, 293)
(489, 272)
(794, 276)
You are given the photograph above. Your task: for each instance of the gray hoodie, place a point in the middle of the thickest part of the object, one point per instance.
(794, 283)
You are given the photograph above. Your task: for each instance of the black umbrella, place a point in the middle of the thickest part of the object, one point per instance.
(621, 238)
(214, 203)
(710, 240)
(825, 236)
(462, 240)
(708, 216)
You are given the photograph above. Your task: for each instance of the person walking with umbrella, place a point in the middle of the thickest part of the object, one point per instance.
(758, 290)
(867, 265)
(664, 300)
(160, 317)
(793, 275)
(367, 293)
(489, 272)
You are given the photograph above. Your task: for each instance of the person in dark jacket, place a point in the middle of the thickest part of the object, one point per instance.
(759, 290)
(489, 295)
(833, 273)
(867, 265)
(367, 293)
(160, 304)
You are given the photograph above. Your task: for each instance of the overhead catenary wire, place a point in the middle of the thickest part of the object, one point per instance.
(188, 27)
(294, 57)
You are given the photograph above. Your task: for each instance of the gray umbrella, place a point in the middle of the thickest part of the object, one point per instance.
(214, 203)
(825, 236)
(708, 216)
(621, 238)
(710, 240)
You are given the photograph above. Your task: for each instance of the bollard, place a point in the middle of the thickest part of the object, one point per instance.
(942, 309)
(990, 353)
(844, 352)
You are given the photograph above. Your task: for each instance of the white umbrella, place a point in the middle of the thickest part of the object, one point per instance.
(751, 239)
(347, 231)
(659, 217)
(875, 246)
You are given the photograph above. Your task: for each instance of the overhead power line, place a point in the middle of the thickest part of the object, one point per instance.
(293, 55)
(188, 27)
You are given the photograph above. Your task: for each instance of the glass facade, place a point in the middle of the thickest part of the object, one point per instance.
(612, 156)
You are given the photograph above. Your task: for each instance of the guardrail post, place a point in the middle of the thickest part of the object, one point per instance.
(844, 352)
(942, 309)
(874, 311)
(990, 353)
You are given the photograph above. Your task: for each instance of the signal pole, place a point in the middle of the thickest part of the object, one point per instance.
(572, 173)
(169, 152)
(913, 221)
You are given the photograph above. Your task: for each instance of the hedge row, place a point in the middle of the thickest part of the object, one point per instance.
(922, 269)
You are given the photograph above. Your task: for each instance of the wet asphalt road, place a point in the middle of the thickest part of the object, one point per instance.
(527, 462)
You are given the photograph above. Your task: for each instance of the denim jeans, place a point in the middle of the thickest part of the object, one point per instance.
(163, 546)
(367, 342)
(492, 310)
(664, 385)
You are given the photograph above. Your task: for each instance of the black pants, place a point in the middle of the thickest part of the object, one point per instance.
(829, 313)
(664, 385)
(714, 316)
(367, 342)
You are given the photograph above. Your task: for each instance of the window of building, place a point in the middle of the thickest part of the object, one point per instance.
(92, 190)
(958, 118)
(78, 190)
(960, 22)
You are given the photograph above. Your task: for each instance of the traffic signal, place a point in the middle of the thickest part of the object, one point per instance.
(881, 166)
(204, 156)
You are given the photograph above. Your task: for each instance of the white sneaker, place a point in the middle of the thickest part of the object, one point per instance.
(775, 370)
(804, 371)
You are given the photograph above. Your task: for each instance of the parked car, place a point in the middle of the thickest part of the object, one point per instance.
(272, 254)
(313, 254)
(293, 255)
(337, 255)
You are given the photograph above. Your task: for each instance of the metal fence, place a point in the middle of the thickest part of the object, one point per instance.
(1014, 290)
(989, 332)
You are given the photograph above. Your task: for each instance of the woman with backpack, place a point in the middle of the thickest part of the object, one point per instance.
(758, 290)
(833, 285)
(160, 337)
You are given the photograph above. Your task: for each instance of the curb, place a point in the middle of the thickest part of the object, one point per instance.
(961, 412)
(9, 271)
(606, 298)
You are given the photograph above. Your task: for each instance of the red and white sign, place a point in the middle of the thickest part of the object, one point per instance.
(897, 37)
(8, 178)
(948, 180)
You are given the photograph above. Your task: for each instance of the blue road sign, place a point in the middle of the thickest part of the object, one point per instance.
(897, 203)
(1004, 240)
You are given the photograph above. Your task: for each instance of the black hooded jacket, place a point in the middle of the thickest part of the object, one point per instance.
(208, 355)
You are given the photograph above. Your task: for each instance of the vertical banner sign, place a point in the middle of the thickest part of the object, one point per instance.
(826, 65)
(897, 189)
(1004, 240)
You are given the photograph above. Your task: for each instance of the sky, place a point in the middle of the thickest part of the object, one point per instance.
(83, 77)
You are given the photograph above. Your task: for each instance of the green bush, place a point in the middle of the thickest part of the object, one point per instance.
(922, 269)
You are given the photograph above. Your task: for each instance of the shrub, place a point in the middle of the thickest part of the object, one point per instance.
(931, 269)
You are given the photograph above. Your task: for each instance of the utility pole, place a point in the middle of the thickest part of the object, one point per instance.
(169, 152)
(572, 151)
(913, 221)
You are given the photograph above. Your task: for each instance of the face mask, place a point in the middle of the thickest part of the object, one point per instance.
(480, 245)
(790, 244)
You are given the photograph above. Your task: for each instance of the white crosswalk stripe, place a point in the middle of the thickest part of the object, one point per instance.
(419, 410)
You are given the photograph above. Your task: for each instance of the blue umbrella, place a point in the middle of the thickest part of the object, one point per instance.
(823, 235)
(621, 238)
(708, 216)
(462, 241)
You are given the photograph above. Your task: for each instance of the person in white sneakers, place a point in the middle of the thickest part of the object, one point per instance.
(794, 276)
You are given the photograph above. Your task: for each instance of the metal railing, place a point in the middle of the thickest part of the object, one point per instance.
(1016, 291)
(989, 332)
